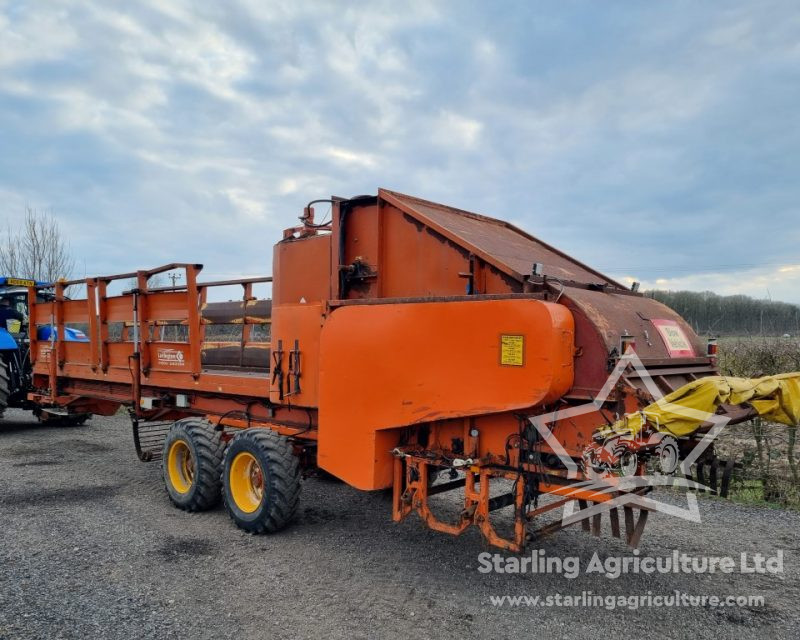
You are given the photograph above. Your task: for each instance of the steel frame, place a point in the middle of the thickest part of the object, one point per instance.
(412, 490)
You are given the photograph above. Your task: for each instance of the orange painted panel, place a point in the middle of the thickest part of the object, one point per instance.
(119, 354)
(301, 270)
(167, 306)
(75, 311)
(301, 323)
(393, 365)
(42, 313)
(418, 262)
(119, 309)
(77, 352)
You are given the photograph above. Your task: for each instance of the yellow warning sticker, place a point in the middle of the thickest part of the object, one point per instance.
(512, 350)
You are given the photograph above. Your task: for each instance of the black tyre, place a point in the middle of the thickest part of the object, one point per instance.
(261, 481)
(5, 387)
(628, 463)
(191, 462)
(667, 455)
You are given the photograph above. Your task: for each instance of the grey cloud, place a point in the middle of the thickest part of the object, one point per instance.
(632, 137)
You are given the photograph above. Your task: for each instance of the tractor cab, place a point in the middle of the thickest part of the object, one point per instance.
(15, 361)
(14, 310)
(14, 343)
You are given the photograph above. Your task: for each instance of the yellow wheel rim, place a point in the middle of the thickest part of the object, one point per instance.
(246, 481)
(180, 465)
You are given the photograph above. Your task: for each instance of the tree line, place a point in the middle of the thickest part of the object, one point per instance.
(709, 313)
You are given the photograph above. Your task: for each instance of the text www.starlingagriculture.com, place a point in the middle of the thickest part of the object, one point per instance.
(632, 601)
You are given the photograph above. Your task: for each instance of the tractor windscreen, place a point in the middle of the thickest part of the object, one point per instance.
(13, 310)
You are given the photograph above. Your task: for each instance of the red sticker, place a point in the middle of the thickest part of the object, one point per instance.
(674, 339)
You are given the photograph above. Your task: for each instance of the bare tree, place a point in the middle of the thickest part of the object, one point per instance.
(36, 248)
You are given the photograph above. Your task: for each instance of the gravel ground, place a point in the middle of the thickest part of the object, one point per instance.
(91, 547)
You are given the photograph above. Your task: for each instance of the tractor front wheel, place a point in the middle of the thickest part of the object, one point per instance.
(191, 461)
(261, 481)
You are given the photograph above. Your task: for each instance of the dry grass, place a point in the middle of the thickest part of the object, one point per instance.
(766, 451)
(758, 356)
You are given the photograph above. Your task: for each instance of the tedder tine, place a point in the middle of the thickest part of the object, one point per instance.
(636, 535)
(614, 516)
(726, 478)
(712, 480)
(584, 522)
(628, 522)
(700, 477)
(596, 525)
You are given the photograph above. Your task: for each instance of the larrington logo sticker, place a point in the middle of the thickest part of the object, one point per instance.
(170, 357)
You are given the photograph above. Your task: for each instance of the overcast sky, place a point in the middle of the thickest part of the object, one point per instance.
(653, 140)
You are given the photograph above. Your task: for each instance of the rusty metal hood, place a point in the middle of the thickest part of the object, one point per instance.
(601, 318)
(499, 243)
(613, 314)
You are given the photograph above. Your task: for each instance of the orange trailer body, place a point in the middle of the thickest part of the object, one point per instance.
(406, 337)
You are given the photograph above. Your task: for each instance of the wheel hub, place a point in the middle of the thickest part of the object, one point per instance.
(246, 481)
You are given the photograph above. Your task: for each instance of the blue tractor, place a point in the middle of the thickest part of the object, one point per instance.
(15, 363)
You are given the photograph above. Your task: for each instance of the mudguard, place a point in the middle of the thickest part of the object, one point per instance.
(7, 342)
